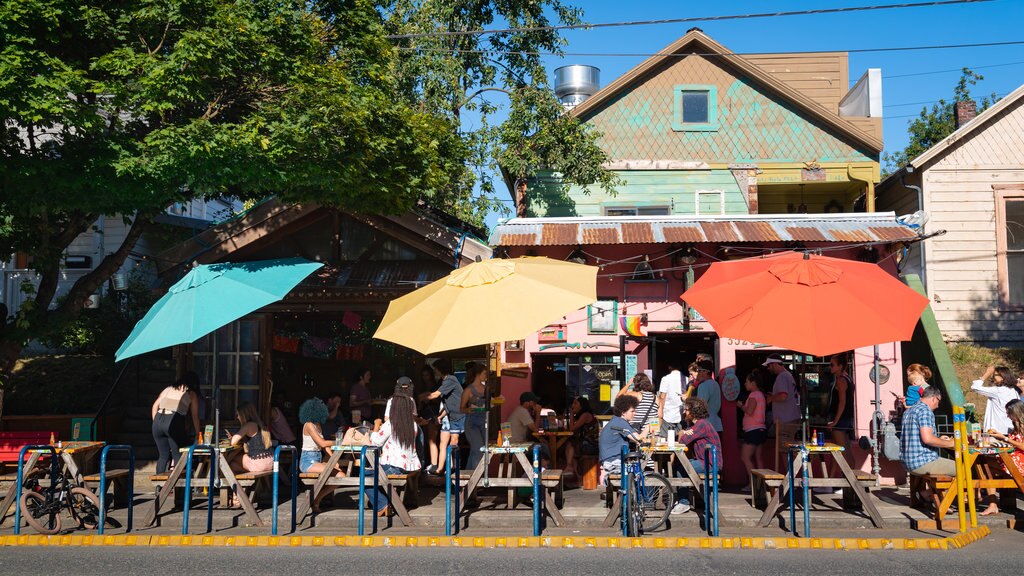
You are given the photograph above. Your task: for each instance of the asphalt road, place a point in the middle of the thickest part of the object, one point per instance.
(1001, 553)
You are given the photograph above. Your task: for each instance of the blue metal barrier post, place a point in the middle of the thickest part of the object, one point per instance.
(457, 477)
(21, 478)
(188, 488)
(624, 491)
(103, 484)
(792, 510)
(294, 480)
(448, 492)
(807, 492)
(536, 489)
(711, 490)
(362, 491)
(376, 487)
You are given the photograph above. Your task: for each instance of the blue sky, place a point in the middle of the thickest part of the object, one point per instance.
(996, 21)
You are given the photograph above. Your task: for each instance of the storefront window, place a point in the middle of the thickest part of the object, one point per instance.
(559, 379)
(229, 357)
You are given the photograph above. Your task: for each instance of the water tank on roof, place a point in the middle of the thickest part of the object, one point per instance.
(576, 83)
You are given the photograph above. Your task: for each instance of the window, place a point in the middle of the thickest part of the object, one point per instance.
(1010, 246)
(637, 211)
(710, 202)
(230, 357)
(695, 108)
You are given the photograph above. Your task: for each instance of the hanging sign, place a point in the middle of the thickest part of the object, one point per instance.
(730, 385)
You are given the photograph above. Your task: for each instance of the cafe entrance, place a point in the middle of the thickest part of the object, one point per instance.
(557, 379)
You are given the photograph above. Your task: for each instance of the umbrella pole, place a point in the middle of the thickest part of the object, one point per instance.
(214, 457)
(487, 437)
(805, 413)
(876, 420)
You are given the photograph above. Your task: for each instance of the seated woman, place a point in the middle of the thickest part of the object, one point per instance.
(312, 413)
(642, 389)
(397, 438)
(259, 455)
(697, 438)
(585, 435)
(1015, 411)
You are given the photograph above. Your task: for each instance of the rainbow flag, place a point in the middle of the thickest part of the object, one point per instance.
(632, 325)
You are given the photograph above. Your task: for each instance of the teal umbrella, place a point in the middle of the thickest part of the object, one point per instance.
(211, 296)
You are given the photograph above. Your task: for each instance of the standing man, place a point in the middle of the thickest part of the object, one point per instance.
(710, 391)
(670, 397)
(919, 446)
(783, 397)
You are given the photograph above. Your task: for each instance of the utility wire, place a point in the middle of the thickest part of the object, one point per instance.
(892, 76)
(712, 54)
(821, 11)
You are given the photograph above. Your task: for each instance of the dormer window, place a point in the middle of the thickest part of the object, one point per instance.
(695, 108)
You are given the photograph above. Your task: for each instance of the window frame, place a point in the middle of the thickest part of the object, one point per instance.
(677, 108)
(721, 202)
(1003, 194)
(636, 210)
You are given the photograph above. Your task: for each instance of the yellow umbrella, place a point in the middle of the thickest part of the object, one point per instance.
(490, 301)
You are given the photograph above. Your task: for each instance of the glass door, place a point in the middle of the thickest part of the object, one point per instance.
(230, 358)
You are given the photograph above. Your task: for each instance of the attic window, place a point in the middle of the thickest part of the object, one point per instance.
(695, 108)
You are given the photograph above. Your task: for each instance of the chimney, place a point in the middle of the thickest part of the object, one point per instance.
(963, 112)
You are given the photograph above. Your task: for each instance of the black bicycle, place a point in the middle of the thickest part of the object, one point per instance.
(42, 506)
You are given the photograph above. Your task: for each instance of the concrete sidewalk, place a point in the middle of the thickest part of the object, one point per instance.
(584, 512)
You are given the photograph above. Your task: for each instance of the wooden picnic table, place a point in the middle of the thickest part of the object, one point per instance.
(328, 479)
(511, 458)
(974, 457)
(201, 480)
(554, 440)
(848, 482)
(75, 458)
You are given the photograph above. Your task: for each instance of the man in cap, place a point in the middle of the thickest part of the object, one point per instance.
(783, 397)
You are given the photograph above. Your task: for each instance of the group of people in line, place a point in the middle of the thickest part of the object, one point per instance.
(920, 442)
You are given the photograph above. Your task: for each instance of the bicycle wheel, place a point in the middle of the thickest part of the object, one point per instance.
(655, 502)
(40, 515)
(85, 507)
(634, 524)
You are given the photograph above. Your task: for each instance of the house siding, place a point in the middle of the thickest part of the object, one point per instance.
(962, 265)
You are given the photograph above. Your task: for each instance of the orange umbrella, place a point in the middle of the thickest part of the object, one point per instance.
(807, 303)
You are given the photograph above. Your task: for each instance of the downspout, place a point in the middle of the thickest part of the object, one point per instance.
(869, 188)
(920, 206)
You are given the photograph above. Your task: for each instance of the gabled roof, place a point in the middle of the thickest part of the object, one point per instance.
(766, 228)
(968, 129)
(696, 41)
(422, 229)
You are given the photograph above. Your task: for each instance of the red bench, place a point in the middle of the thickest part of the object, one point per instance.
(11, 444)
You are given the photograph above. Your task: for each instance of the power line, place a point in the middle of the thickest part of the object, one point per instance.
(712, 54)
(693, 19)
(890, 77)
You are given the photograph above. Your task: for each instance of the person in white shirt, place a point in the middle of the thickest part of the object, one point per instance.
(783, 398)
(670, 398)
(397, 440)
(1003, 389)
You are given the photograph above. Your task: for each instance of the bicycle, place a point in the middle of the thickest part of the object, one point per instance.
(42, 507)
(647, 494)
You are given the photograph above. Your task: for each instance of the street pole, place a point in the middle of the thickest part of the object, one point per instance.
(877, 420)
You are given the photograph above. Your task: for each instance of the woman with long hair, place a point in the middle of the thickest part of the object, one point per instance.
(585, 435)
(397, 439)
(312, 413)
(1015, 411)
(641, 388)
(170, 412)
(474, 405)
(999, 386)
(258, 456)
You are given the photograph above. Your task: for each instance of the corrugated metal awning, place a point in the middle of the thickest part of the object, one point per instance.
(846, 228)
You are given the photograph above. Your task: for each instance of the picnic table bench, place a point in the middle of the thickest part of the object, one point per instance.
(11, 444)
(765, 481)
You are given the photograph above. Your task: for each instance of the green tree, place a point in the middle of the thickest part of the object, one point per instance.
(932, 125)
(494, 87)
(125, 107)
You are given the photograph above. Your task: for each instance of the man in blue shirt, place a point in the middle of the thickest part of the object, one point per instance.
(616, 434)
(919, 446)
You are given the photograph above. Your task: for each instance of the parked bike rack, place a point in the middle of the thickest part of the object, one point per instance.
(624, 483)
(295, 482)
(188, 487)
(711, 490)
(806, 492)
(103, 483)
(536, 490)
(453, 474)
(21, 478)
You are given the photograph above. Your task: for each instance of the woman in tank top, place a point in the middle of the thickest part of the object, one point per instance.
(258, 455)
(474, 405)
(312, 413)
(170, 411)
(642, 389)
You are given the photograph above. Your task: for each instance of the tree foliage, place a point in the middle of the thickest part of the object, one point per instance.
(934, 124)
(125, 107)
(495, 88)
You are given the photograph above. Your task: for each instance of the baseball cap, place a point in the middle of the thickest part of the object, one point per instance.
(528, 397)
(773, 359)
